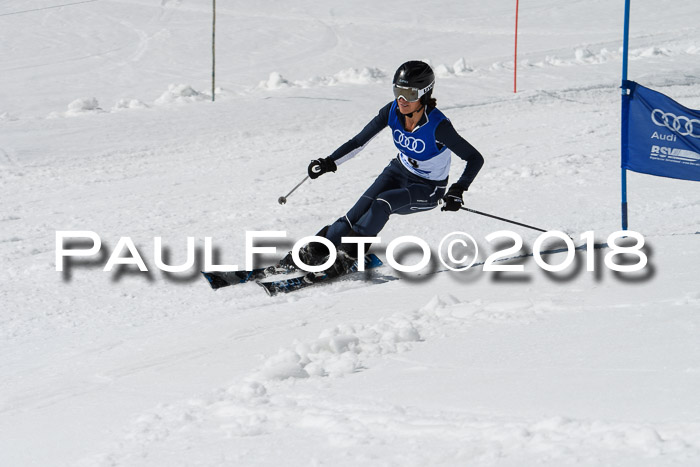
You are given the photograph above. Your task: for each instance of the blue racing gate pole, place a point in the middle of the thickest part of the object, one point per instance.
(625, 49)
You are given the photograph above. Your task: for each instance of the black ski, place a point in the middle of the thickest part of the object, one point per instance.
(219, 279)
(309, 279)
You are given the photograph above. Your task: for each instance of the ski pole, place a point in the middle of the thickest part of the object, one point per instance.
(283, 199)
(502, 219)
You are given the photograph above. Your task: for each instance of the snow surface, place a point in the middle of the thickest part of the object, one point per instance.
(107, 125)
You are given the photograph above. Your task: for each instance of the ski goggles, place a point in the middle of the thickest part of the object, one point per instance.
(411, 94)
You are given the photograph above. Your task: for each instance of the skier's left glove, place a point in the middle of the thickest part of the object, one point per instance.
(320, 166)
(453, 198)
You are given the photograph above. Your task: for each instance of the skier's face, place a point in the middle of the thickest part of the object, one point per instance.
(406, 107)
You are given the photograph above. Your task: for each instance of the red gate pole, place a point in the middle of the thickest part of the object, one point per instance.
(515, 61)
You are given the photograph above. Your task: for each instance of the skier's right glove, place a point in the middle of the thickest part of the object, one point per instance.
(453, 198)
(320, 166)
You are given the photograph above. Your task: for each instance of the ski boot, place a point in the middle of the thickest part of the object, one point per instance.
(312, 254)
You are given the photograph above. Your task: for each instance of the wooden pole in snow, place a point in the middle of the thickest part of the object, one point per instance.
(213, 50)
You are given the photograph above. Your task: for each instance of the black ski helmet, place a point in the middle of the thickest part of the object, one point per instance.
(416, 75)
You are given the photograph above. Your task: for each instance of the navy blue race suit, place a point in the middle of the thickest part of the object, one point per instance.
(415, 180)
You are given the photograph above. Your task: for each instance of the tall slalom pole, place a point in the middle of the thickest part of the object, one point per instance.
(213, 50)
(515, 61)
(625, 49)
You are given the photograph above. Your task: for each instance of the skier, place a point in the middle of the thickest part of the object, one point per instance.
(413, 182)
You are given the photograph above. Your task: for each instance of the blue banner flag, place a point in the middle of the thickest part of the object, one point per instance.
(659, 136)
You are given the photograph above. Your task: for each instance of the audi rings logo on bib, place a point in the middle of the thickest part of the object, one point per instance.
(682, 125)
(409, 142)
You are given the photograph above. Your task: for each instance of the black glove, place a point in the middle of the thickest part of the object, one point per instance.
(453, 198)
(320, 166)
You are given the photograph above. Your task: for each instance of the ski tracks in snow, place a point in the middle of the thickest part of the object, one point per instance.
(288, 404)
(395, 435)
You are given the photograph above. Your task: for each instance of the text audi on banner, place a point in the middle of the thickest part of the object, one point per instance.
(659, 136)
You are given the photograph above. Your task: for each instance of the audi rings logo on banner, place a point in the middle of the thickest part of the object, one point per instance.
(409, 142)
(682, 125)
